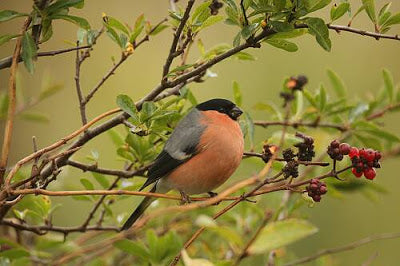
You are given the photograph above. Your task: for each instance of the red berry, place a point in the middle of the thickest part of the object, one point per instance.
(362, 153)
(322, 190)
(313, 187)
(344, 148)
(369, 155)
(335, 144)
(314, 181)
(357, 174)
(378, 155)
(370, 173)
(353, 152)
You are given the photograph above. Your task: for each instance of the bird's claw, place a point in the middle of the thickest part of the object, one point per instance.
(185, 199)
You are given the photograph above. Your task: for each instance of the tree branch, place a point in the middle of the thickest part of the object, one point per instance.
(6, 62)
(12, 103)
(301, 124)
(350, 246)
(78, 86)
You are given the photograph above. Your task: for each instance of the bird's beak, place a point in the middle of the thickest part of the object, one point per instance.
(236, 112)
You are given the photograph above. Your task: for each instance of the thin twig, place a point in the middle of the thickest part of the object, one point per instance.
(172, 51)
(8, 130)
(78, 86)
(244, 252)
(6, 62)
(350, 246)
(300, 124)
(380, 113)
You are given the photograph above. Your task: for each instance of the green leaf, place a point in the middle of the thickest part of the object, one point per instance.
(47, 30)
(280, 26)
(288, 35)
(389, 86)
(133, 248)
(135, 34)
(209, 22)
(310, 98)
(113, 22)
(384, 9)
(282, 44)
(10, 14)
(50, 91)
(338, 11)
(237, 95)
(322, 98)
(314, 5)
(29, 51)
(281, 233)
(14, 253)
(370, 9)
(200, 9)
(375, 130)
(127, 105)
(279, 4)
(101, 179)
(81, 22)
(115, 137)
(244, 56)
(159, 29)
(87, 184)
(318, 28)
(395, 19)
(249, 30)
(7, 37)
(337, 84)
(62, 4)
(34, 117)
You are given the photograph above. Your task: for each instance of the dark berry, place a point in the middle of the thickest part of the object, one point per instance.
(323, 189)
(370, 173)
(378, 155)
(353, 152)
(344, 148)
(335, 144)
(356, 173)
(316, 198)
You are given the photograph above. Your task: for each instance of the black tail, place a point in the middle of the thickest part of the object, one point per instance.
(139, 211)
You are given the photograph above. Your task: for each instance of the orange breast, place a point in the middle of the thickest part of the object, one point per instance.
(220, 153)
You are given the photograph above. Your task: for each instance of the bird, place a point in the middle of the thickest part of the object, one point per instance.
(202, 152)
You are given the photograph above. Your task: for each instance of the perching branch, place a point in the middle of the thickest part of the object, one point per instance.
(301, 124)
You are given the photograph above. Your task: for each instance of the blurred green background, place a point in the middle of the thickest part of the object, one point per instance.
(358, 61)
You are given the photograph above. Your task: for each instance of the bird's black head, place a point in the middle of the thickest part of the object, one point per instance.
(222, 106)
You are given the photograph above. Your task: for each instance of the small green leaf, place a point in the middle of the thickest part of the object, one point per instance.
(389, 86)
(133, 248)
(127, 105)
(281, 233)
(237, 95)
(63, 4)
(338, 11)
(81, 22)
(288, 35)
(280, 26)
(318, 28)
(314, 5)
(87, 184)
(34, 117)
(159, 29)
(249, 30)
(309, 98)
(375, 130)
(101, 179)
(209, 22)
(115, 23)
(50, 91)
(282, 44)
(29, 51)
(337, 84)
(14, 253)
(7, 37)
(10, 14)
(115, 137)
(322, 94)
(395, 19)
(370, 9)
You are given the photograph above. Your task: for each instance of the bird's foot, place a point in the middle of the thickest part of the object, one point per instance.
(212, 195)
(185, 198)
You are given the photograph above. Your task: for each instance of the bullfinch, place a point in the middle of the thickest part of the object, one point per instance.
(202, 152)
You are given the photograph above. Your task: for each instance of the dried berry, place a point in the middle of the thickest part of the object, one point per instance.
(316, 189)
(344, 148)
(291, 169)
(288, 155)
(215, 6)
(305, 148)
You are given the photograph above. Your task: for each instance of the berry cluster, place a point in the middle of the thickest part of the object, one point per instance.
(297, 83)
(337, 150)
(364, 161)
(316, 189)
(291, 169)
(305, 148)
(268, 151)
(215, 6)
